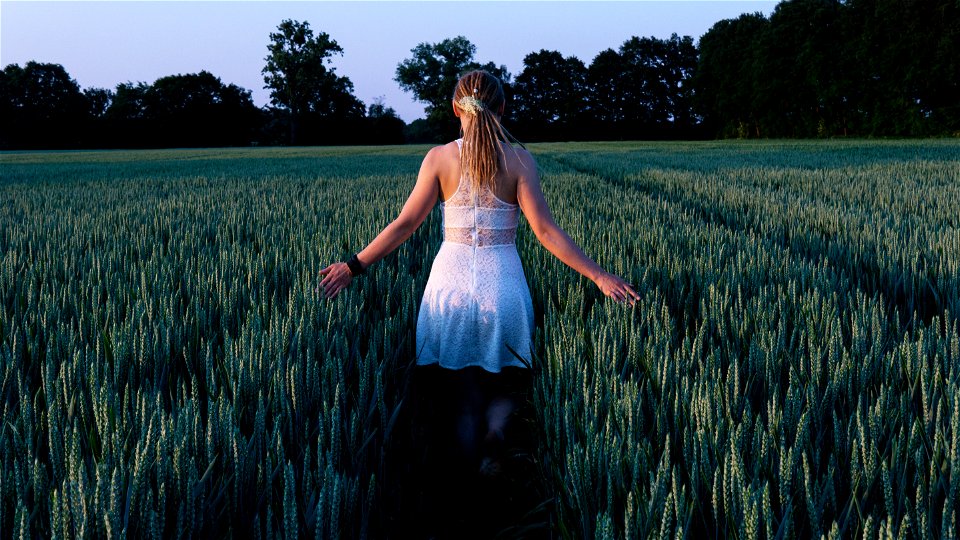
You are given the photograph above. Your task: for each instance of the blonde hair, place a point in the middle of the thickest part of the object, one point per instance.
(480, 94)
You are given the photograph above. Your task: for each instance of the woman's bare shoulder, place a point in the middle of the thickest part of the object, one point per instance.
(442, 162)
(442, 155)
(520, 161)
(444, 152)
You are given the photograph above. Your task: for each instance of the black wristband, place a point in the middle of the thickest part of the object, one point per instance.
(355, 267)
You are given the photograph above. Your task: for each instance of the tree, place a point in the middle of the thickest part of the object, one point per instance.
(98, 100)
(199, 110)
(677, 73)
(97, 130)
(432, 74)
(799, 83)
(129, 101)
(7, 107)
(379, 109)
(550, 96)
(727, 76)
(43, 107)
(834, 67)
(419, 132)
(907, 65)
(644, 89)
(189, 110)
(606, 103)
(300, 80)
(385, 127)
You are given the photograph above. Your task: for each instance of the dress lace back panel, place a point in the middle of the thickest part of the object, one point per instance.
(476, 305)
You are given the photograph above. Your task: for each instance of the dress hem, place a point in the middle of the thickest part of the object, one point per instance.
(457, 367)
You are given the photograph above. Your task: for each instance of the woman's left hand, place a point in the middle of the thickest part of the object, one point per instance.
(337, 277)
(618, 289)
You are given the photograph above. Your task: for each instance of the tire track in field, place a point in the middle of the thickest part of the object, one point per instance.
(861, 270)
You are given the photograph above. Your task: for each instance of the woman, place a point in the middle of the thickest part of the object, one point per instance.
(476, 311)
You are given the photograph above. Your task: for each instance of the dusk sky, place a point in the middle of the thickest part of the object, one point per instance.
(102, 44)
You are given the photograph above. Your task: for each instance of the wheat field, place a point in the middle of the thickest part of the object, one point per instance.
(168, 368)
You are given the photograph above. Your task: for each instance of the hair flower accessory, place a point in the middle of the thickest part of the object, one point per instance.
(470, 105)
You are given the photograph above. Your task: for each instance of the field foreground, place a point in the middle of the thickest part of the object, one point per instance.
(168, 369)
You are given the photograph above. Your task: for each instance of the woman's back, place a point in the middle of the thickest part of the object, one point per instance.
(505, 181)
(476, 216)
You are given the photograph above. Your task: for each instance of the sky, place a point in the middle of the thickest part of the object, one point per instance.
(103, 44)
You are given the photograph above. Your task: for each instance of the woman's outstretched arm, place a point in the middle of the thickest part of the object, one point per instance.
(534, 206)
(421, 200)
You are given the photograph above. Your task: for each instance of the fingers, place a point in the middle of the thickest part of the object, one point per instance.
(332, 292)
(330, 275)
(323, 284)
(629, 295)
(331, 289)
(621, 291)
(336, 278)
(334, 288)
(327, 276)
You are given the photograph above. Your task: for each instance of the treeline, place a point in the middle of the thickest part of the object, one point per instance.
(43, 107)
(640, 91)
(814, 68)
(819, 68)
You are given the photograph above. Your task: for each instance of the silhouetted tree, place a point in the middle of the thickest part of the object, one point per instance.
(42, 107)
(677, 73)
(800, 83)
(432, 74)
(832, 67)
(199, 110)
(182, 110)
(907, 63)
(550, 96)
(301, 82)
(726, 79)
(419, 132)
(7, 107)
(96, 131)
(656, 85)
(98, 101)
(644, 92)
(126, 117)
(813, 68)
(606, 101)
(385, 127)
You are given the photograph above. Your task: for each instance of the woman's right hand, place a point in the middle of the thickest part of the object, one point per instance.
(616, 288)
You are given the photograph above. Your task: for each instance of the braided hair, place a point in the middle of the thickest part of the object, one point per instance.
(480, 94)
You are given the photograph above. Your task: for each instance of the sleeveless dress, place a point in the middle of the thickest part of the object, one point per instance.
(476, 305)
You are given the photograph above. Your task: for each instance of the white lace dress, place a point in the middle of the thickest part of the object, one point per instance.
(476, 305)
